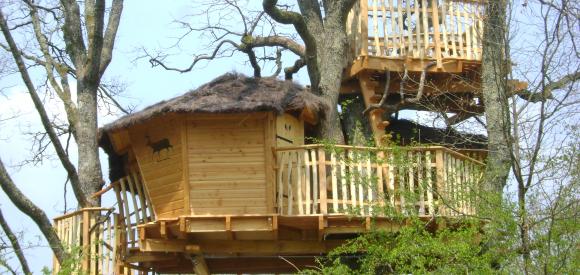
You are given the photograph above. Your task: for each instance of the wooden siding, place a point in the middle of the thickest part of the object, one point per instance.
(160, 162)
(226, 156)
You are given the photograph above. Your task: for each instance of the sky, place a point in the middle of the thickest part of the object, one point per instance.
(144, 25)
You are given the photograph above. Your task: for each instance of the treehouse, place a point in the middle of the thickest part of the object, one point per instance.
(225, 179)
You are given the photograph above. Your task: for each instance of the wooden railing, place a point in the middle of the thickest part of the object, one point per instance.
(425, 29)
(134, 209)
(100, 237)
(424, 181)
(89, 237)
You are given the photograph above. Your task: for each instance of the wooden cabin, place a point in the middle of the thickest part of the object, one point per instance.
(222, 180)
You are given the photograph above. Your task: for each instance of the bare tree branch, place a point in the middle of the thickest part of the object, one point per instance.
(15, 244)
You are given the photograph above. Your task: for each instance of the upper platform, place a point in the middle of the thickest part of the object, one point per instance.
(431, 35)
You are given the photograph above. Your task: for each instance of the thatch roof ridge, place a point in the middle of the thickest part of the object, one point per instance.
(231, 93)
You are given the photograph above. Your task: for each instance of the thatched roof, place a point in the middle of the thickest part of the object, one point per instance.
(231, 93)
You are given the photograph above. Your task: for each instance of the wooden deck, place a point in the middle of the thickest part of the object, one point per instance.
(324, 195)
(417, 31)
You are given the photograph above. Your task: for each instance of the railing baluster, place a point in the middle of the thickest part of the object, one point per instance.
(299, 175)
(281, 158)
(417, 29)
(290, 194)
(334, 182)
(307, 182)
(351, 170)
(322, 181)
(426, 46)
(429, 183)
(420, 183)
(314, 181)
(376, 28)
(343, 181)
(411, 178)
(370, 184)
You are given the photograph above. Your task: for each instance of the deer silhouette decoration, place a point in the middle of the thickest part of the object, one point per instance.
(159, 146)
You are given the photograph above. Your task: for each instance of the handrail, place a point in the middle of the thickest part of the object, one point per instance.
(76, 212)
(408, 148)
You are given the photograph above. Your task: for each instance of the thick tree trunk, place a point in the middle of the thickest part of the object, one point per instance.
(89, 166)
(495, 97)
(331, 55)
(355, 125)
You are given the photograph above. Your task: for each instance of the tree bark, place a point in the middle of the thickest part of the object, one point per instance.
(495, 95)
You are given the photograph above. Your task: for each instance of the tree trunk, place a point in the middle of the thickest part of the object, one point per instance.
(495, 97)
(331, 55)
(355, 125)
(89, 166)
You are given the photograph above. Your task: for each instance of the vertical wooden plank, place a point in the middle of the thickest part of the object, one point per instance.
(391, 174)
(429, 183)
(107, 238)
(370, 184)
(315, 182)
(334, 182)
(400, 30)
(409, 31)
(444, 26)
(92, 253)
(351, 167)
(425, 28)
(386, 43)
(299, 176)
(458, 20)
(439, 179)
(289, 182)
(380, 189)
(142, 203)
(480, 26)
(420, 183)
(133, 199)
(474, 32)
(128, 225)
(307, 182)
(400, 181)
(343, 181)
(360, 174)
(418, 28)
(364, 24)
(322, 180)
(453, 27)
(436, 33)
(85, 260)
(280, 192)
(411, 177)
(376, 28)
(394, 31)
(467, 28)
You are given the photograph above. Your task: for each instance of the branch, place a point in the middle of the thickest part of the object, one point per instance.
(289, 71)
(68, 166)
(110, 34)
(34, 212)
(73, 34)
(156, 62)
(276, 40)
(15, 244)
(546, 93)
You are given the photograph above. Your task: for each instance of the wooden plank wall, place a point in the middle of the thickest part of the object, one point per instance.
(227, 160)
(160, 162)
(289, 130)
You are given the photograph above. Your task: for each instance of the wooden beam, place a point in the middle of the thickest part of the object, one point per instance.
(199, 265)
(255, 247)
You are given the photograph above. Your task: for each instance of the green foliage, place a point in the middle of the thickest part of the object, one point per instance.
(413, 250)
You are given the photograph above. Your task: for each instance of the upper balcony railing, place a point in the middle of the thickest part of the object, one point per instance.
(420, 29)
(423, 181)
